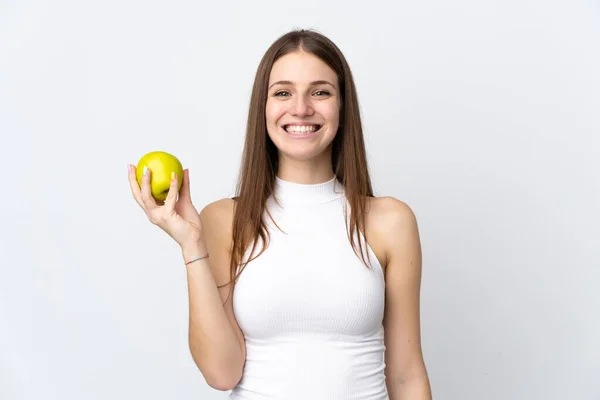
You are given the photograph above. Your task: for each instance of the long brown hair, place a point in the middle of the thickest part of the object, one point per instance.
(260, 156)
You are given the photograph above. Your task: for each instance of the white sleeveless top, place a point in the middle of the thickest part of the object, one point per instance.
(310, 310)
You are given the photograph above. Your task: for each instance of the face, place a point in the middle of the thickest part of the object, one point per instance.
(303, 105)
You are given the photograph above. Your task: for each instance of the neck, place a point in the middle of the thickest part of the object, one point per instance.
(306, 172)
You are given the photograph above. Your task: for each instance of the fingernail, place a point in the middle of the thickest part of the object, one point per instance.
(172, 175)
(128, 168)
(145, 170)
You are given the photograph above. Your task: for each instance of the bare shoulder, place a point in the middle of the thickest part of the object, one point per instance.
(218, 210)
(390, 224)
(390, 212)
(217, 218)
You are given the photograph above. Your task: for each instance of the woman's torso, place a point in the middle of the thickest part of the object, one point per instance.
(311, 311)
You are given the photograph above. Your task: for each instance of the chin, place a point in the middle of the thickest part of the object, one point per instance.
(298, 155)
(303, 154)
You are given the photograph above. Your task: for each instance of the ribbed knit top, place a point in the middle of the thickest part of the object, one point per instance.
(310, 310)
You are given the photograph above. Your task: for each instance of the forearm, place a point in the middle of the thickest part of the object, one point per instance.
(213, 343)
(417, 388)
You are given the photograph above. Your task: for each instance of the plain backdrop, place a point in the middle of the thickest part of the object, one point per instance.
(483, 116)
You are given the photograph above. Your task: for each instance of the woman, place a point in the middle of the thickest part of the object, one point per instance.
(317, 313)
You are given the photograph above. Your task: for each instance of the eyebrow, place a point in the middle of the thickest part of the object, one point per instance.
(320, 82)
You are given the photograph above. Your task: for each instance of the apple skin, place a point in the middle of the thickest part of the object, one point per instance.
(161, 164)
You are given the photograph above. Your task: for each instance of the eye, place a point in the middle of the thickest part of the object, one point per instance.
(282, 93)
(322, 93)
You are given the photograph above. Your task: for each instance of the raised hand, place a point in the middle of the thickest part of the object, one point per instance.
(177, 216)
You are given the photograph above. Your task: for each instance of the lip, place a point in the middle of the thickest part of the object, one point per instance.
(300, 123)
(303, 136)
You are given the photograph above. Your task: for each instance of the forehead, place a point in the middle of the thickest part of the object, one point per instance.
(301, 68)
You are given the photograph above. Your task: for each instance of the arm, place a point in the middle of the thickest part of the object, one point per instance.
(215, 340)
(406, 374)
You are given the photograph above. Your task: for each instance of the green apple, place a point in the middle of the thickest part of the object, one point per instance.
(161, 164)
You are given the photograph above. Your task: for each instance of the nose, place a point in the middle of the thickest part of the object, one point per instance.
(301, 106)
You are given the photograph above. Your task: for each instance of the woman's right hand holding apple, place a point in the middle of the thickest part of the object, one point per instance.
(177, 216)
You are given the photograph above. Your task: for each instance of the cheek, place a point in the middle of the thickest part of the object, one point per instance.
(273, 112)
(332, 114)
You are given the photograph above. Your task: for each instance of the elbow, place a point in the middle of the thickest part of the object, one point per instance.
(223, 383)
(220, 371)
(223, 376)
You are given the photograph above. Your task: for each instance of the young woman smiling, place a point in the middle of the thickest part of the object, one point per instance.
(288, 299)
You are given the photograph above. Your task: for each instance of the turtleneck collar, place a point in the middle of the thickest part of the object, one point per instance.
(298, 193)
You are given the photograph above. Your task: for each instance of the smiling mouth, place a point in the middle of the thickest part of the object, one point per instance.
(301, 129)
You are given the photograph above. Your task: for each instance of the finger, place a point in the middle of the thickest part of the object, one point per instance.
(147, 199)
(172, 195)
(184, 192)
(135, 187)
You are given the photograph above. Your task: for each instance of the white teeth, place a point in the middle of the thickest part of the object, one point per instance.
(301, 128)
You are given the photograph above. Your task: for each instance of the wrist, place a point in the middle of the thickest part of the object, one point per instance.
(193, 250)
(196, 259)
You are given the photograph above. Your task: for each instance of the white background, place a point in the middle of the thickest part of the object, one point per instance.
(482, 115)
